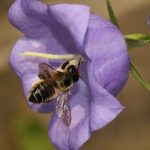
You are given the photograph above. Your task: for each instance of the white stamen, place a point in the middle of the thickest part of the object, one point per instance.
(74, 58)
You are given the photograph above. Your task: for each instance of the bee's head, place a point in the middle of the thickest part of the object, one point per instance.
(74, 73)
(72, 68)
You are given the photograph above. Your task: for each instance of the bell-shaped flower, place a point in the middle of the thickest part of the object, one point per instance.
(72, 29)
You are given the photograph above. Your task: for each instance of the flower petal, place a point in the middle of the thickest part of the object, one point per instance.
(27, 68)
(72, 137)
(30, 17)
(37, 19)
(104, 106)
(106, 47)
(73, 18)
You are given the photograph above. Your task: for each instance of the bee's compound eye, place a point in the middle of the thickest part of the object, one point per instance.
(67, 80)
(72, 69)
(74, 73)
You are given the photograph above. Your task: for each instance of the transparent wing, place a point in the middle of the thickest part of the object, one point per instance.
(46, 71)
(66, 116)
(63, 108)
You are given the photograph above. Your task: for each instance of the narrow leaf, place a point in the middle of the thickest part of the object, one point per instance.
(111, 14)
(138, 76)
(133, 40)
(136, 40)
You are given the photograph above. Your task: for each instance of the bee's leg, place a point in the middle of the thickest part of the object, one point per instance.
(68, 93)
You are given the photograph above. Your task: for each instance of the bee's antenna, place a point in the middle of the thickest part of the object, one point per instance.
(79, 63)
(81, 60)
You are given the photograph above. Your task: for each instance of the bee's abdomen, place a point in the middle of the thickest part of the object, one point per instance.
(41, 92)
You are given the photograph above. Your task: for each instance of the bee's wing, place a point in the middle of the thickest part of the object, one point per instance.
(63, 108)
(66, 116)
(46, 71)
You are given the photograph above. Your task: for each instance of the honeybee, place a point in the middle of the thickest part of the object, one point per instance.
(55, 83)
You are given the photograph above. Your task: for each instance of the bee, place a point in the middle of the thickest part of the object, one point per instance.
(56, 83)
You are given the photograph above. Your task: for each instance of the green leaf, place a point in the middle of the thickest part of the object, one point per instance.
(138, 76)
(132, 40)
(111, 14)
(136, 40)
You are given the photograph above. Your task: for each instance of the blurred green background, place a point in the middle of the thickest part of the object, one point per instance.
(22, 129)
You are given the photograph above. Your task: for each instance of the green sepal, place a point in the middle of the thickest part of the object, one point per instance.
(133, 40)
(138, 76)
(112, 14)
(137, 40)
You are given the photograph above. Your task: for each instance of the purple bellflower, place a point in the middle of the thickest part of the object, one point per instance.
(72, 29)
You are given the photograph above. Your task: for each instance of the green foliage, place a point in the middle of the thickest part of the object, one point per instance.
(111, 14)
(136, 40)
(132, 40)
(32, 135)
(138, 76)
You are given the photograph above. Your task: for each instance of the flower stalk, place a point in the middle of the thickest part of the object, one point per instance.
(132, 41)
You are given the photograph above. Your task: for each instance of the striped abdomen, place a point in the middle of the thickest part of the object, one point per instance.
(41, 92)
